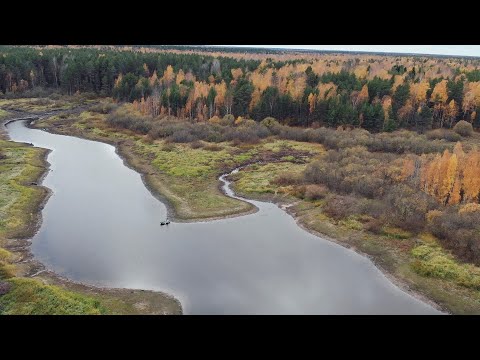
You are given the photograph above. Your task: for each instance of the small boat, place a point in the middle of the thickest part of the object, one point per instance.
(166, 222)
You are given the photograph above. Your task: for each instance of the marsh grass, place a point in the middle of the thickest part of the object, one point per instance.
(3, 114)
(31, 297)
(19, 200)
(259, 178)
(433, 261)
(36, 105)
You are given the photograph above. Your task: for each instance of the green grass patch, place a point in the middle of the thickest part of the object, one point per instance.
(257, 179)
(189, 176)
(3, 113)
(21, 166)
(289, 158)
(351, 223)
(31, 297)
(4, 255)
(183, 161)
(432, 261)
(396, 233)
(7, 270)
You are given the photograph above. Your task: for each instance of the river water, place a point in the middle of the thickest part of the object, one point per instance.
(102, 226)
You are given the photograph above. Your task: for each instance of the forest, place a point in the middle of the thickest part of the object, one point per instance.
(374, 92)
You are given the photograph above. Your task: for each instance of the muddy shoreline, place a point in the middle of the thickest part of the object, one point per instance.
(157, 303)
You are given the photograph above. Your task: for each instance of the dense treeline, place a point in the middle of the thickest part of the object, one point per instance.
(375, 93)
(93, 70)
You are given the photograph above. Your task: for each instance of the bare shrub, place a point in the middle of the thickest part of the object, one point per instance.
(148, 140)
(168, 147)
(408, 207)
(315, 192)
(375, 208)
(103, 108)
(270, 122)
(247, 135)
(236, 143)
(228, 119)
(42, 102)
(459, 232)
(351, 170)
(196, 144)
(213, 147)
(287, 178)
(463, 128)
(182, 136)
(4, 287)
(165, 128)
(214, 120)
(374, 225)
(292, 133)
(142, 125)
(299, 191)
(397, 142)
(443, 134)
(340, 207)
(432, 214)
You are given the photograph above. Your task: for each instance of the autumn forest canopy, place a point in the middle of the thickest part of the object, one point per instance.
(374, 92)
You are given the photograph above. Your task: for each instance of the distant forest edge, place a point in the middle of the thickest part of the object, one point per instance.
(374, 92)
(230, 50)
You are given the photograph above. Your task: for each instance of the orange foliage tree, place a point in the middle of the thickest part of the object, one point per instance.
(452, 178)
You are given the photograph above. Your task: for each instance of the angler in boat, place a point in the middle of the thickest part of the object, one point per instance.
(166, 222)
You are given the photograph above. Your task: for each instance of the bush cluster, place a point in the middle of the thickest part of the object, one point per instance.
(459, 232)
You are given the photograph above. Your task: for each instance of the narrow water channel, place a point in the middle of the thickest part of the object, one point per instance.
(102, 226)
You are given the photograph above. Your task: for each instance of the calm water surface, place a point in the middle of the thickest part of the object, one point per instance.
(102, 226)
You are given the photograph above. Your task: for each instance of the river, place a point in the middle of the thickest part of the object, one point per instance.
(101, 226)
